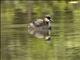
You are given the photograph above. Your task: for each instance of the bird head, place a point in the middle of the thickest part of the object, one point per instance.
(48, 17)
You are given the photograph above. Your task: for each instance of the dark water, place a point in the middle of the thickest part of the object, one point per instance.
(17, 44)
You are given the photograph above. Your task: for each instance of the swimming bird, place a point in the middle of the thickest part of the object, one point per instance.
(41, 28)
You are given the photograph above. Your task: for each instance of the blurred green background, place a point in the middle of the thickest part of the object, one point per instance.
(17, 44)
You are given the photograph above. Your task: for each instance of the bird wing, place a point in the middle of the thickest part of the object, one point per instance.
(38, 22)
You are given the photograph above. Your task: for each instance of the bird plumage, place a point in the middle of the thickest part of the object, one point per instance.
(40, 28)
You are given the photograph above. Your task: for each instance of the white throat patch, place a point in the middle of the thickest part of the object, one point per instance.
(46, 19)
